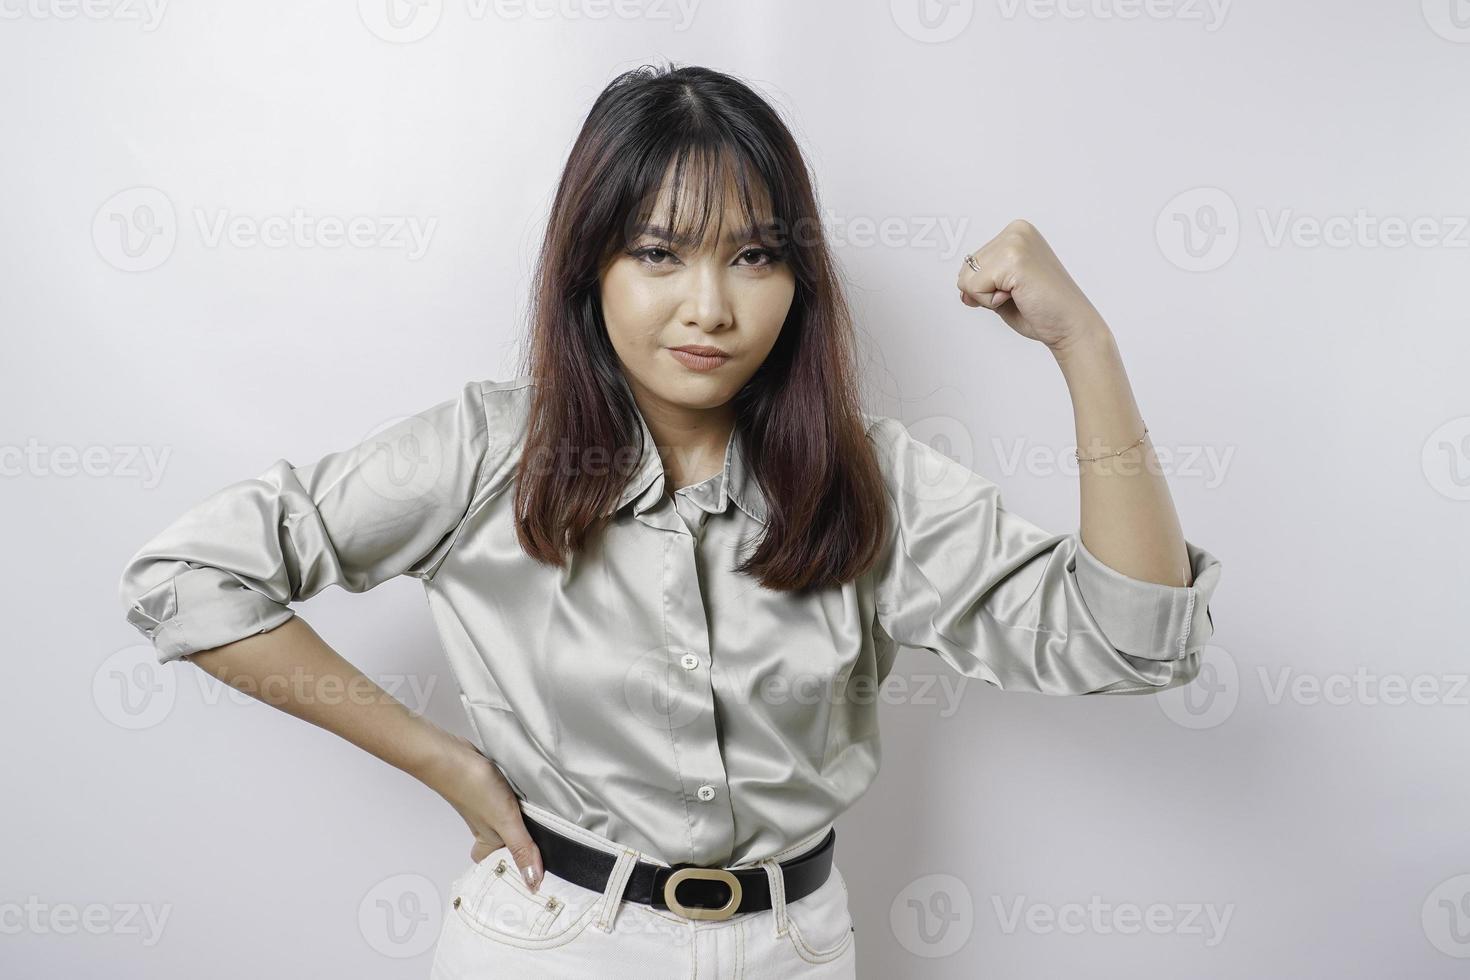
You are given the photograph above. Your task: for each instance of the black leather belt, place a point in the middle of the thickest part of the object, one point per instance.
(689, 890)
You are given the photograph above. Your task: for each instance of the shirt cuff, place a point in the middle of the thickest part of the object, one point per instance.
(1147, 619)
(201, 609)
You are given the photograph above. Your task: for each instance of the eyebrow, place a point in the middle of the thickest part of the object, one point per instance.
(740, 234)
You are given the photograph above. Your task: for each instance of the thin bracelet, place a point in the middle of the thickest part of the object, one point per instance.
(1088, 459)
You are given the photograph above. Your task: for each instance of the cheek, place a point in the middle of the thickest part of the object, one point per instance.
(764, 306)
(633, 307)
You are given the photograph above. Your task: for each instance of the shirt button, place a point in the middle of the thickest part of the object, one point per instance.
(689, 661)
(706, 792)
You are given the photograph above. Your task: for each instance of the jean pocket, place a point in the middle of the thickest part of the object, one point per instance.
(819, 925)
(495, 901)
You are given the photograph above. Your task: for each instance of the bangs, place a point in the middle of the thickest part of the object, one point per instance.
(703, 182)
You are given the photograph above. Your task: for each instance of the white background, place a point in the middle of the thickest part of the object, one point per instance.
(1310, 388)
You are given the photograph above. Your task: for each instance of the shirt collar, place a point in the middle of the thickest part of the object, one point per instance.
(733, 483)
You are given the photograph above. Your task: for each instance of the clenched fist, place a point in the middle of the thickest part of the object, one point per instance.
(1022, 279)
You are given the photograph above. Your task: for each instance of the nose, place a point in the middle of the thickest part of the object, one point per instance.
(707, 302)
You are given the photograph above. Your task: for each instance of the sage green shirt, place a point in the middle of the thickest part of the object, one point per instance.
(646, 691)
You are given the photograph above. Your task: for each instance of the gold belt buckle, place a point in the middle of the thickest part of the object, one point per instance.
(698, 912)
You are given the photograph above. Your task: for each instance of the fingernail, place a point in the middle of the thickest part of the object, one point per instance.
(530, 876)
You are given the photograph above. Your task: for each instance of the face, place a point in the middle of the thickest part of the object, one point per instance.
(728, 293)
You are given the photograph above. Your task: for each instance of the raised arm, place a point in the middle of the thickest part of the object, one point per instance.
(1119, 607)
(1128, 517)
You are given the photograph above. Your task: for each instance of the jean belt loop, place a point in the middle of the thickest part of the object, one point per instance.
(612, 895)
(778, 894)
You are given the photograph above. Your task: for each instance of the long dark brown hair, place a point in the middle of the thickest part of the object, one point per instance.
(798, 418)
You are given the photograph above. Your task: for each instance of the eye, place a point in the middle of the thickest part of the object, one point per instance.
(768, 256)
(646, 255)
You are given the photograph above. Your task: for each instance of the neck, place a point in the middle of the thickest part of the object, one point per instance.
(691, 441)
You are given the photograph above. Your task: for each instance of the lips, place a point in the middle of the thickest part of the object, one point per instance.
(699, 357)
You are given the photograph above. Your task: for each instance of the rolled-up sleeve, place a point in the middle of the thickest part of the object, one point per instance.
(229, 566)
(1022, 608)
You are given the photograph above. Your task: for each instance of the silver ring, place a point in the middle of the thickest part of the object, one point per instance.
(970, 261)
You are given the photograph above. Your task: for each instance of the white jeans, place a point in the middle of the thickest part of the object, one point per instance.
(494, 926)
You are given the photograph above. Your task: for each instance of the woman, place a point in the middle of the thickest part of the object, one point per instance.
(669, 557)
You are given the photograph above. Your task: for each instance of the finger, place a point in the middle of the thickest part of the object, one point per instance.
(991, 300)
(982, 287)
(1011, 315)
(525, 852)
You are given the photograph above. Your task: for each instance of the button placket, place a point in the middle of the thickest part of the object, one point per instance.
(700, 762)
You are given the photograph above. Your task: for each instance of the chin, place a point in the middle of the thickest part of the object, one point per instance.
(695, 391)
